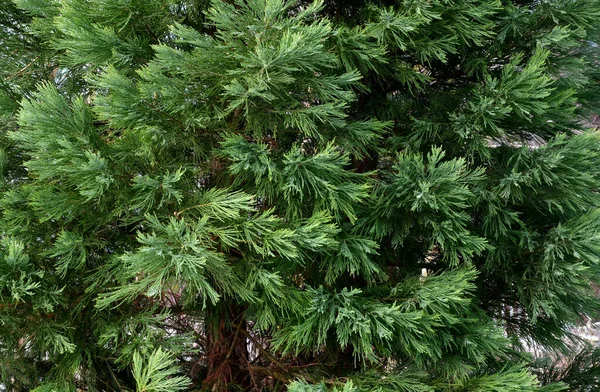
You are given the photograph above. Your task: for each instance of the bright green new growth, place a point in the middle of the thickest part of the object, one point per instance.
(154, 375)
(269, 195)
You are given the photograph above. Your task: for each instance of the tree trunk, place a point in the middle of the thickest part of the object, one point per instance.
(227, 354)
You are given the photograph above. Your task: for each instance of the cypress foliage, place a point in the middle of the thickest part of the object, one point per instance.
(297, 195)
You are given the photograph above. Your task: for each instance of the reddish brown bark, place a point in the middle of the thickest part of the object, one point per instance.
(227, 358)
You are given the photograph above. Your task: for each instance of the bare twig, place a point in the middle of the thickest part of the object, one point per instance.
(20, 72)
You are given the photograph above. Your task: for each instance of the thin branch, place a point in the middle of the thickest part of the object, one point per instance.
(263, 350)
(20, 72)
(235, 337)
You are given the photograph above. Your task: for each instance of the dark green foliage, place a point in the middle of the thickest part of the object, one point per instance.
(304, 195)
(580, 369)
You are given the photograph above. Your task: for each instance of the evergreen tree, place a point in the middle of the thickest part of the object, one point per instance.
(304, 195)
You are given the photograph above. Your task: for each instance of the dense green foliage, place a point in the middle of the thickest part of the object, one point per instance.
(313, 196)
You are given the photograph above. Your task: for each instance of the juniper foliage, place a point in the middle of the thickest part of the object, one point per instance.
(304, 195)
